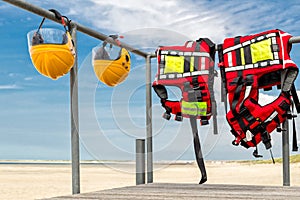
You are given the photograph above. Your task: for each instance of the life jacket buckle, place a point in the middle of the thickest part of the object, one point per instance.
(235, 142)
(221, 64)
(167, 116)
(290, 115)
(204, 122)
(266, 139)
(196, 87)
(279, 129)
(179, 117)
(256, 155)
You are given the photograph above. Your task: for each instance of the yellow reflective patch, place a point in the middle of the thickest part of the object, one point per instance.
(192, 64)
(242, 56)
(261, 51)
(194, 108)
(174, 64)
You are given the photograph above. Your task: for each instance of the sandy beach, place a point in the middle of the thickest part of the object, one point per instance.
(35, 180)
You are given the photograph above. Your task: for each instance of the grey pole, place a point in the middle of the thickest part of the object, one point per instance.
(286, 154)
(285, 139)
(140, 161)
(74, 120)
(149, 120)
(294, 39)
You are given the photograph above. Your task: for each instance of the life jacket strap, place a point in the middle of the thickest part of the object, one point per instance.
(197, 149)
(295, 145)
(255, 153)
(252, 126)
(295, 98)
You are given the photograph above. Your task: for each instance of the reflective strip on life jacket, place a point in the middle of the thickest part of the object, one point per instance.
(179, 64)
(252, 66)
(194, 108)
(187, 74)
(254, 40)
(258, 52)
(184, 53)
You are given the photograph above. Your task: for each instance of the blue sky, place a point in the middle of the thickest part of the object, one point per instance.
(34, 110)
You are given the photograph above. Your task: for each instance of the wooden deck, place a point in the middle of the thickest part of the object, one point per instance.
(170, 191)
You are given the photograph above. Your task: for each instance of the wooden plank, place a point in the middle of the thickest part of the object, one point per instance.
(170, 191)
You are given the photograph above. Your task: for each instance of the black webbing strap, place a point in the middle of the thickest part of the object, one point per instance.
(240, 85)
(256, 154)
(56, 13)
(238, 81)
(162, 93)
(187, 64)
(212, 74)
(265, 136)
(195, 93)
(266, 139)
(295, 146)
(272, 157)
(41, 24)
(212, 46)
(214, 112)
(196, 61)
(223, 76)
(295, 98)
(58, 16)
(238, 51)
(197, 149)
(247, 54)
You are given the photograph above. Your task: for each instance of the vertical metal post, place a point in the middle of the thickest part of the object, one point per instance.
(286, 154)
(149, 120)
(140, 161)
(74, 120)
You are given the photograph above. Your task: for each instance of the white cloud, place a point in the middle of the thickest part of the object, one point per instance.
(28, 78)
(9, 87)
(193, 19)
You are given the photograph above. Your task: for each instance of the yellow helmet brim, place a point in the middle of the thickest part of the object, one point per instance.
(53, 60)
(113, 72)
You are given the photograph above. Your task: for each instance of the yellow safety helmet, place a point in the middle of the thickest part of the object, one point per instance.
(111, 71)
(52, 50)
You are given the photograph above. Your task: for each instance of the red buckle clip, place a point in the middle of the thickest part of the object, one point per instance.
(221, 64)
(63, 21)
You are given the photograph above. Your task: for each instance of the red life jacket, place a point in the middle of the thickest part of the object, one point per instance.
(250, 63)
(190, 68)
